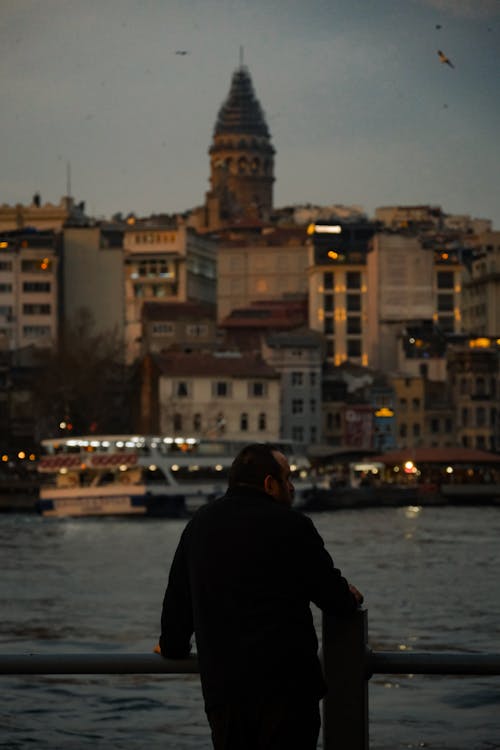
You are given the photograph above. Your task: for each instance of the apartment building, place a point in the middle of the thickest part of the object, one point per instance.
(28, 289)
(164, 261)
(269, 263)
(225, 394)
(481, 288)
(338, 285)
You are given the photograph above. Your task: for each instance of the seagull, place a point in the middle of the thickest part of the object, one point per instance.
(181, 52)
(445, 59)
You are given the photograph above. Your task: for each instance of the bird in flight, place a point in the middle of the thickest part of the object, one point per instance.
(444, 59)
(181, 52)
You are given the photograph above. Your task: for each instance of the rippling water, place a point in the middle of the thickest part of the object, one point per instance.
(430, 580)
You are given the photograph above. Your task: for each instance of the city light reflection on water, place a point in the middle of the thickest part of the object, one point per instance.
(430, 582)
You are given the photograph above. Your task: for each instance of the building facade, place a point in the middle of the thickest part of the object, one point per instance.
(298, 356)
(270, 264)
(29, 311)
(228, 395)
(164, 261)
(338, 285)
(481, 288)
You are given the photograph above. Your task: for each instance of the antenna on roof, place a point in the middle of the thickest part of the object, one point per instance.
(241, 56)
(68, 179)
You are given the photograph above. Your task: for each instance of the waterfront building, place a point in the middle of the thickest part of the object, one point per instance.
(28, 288)
(186, 326)
(338, 285)
(481, 288)
(411, 285)
(93, 278)
(42, 216)
(298, 356)
(267, 264)
(246, 328)
(164, 261)
(474, 382)
(221, 394)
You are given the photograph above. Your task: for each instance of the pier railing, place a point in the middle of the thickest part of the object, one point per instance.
(347, 660)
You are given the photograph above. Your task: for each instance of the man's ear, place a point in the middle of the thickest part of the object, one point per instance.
(269, 484)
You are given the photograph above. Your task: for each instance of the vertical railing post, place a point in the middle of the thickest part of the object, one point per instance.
(345, 706)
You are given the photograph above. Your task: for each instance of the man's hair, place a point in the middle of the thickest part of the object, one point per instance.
(253, 464)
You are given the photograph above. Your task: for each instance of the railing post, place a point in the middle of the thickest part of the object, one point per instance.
(345, 706)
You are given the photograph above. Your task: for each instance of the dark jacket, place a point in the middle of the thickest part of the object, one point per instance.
(243, 577)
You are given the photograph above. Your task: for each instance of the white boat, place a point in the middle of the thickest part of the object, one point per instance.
(140, 475)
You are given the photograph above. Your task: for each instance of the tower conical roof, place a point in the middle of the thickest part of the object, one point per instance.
(241, 112)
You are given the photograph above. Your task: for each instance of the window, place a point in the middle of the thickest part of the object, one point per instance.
(445, 302)
(221, 388)
(480, 416)
(403, 403)
(465, 417)
(244, 422)
(196, 330)
(257, 389)
(402, 430)
(328, 302)
(480, 386)
(177, 422)
(328, 325)
(6, 311)
(312, 378)
(353, 279)
(354, 303)
(328, 280)
(297, 406)
(262, 421)
(354, 347)
(353, 324)
(297, 378)
(313, 405)
(416, 430)
(153, 268)
(181, 389)
(36, 266)
(298, 434)
(197, 422)
(445, 280)
(415, 402)
(36, 309)
(5, 288)
(36, 286)
(36, 332)
(330, 349)
(446, 323)
(5, 265)
(163, 328)
(434, 425)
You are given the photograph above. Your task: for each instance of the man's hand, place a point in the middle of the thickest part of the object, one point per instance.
(357, 594)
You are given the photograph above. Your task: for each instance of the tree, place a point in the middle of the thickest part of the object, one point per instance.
(83, 386)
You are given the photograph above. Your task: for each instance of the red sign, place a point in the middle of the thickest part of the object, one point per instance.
(358, 426)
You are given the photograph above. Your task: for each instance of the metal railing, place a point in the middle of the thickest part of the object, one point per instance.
(347, 661)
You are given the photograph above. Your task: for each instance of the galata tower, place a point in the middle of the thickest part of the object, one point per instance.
(241, 159)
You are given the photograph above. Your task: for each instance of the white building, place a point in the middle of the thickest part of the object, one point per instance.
(228, 395)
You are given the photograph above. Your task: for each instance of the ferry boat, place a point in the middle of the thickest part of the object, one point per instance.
(141, 475)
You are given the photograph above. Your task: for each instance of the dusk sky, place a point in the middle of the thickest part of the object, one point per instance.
(360, 108)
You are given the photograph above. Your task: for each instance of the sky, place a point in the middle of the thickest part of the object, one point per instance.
(360, 108)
